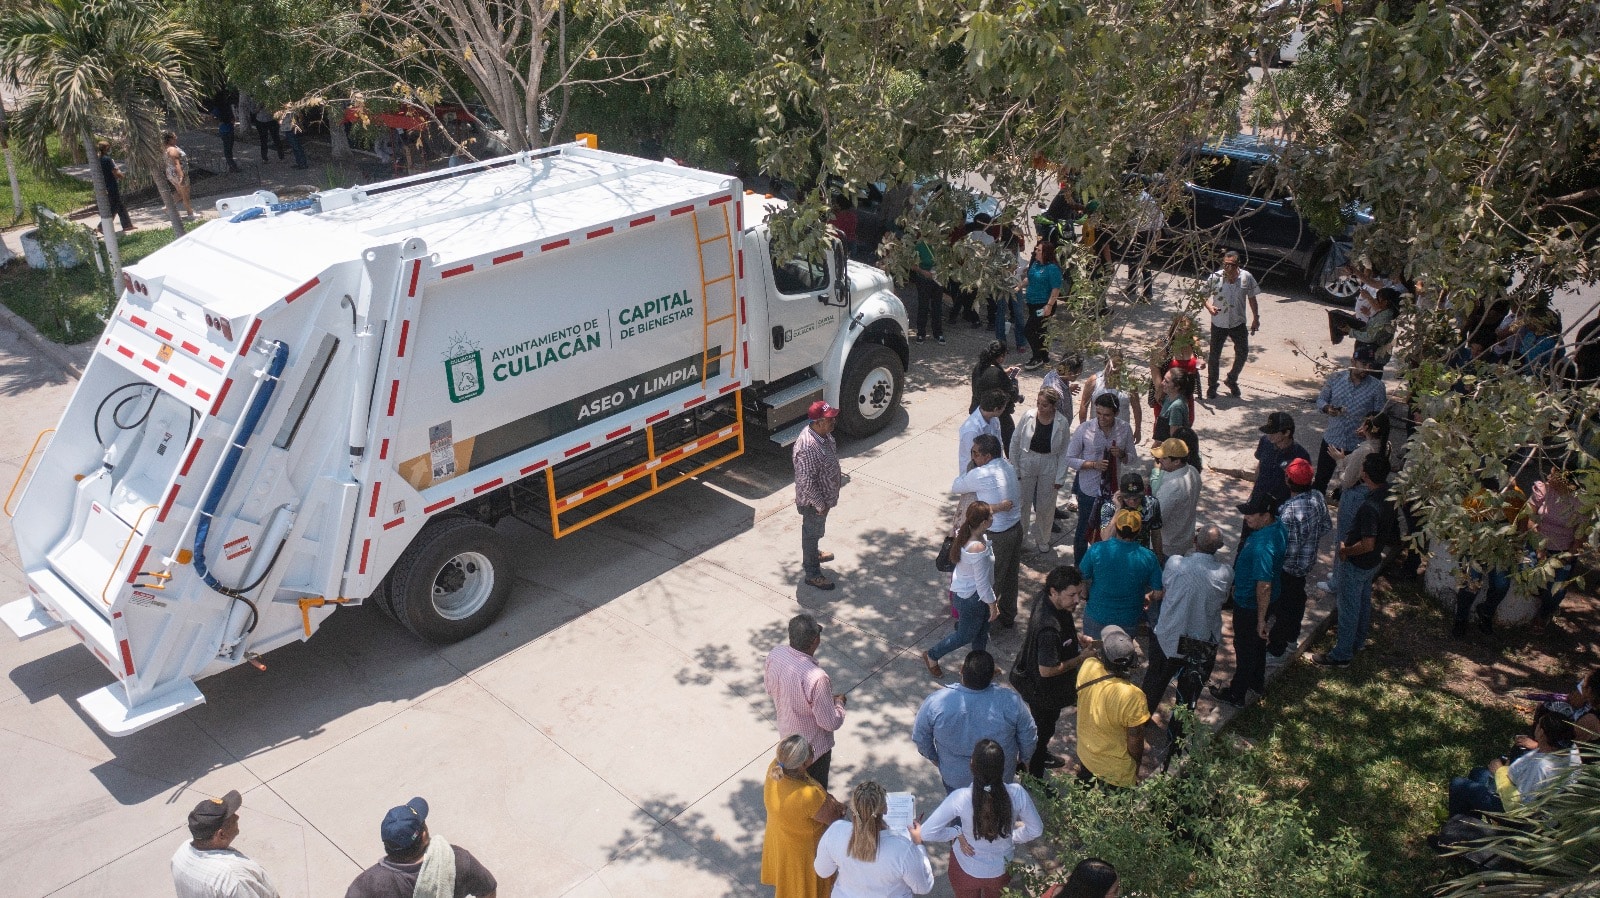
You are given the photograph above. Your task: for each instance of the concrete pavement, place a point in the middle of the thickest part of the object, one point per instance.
(608, 735)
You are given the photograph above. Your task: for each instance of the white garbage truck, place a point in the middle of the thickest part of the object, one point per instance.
(324, 402)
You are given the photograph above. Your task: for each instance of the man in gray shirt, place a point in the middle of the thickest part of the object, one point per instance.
(1230, 287)
(952, 720)
(1196, 586)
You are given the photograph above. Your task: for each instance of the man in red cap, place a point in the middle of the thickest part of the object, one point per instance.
(208, 866)
(1306, 521)
(817, 478)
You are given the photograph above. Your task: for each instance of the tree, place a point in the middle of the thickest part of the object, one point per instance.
(89, 64)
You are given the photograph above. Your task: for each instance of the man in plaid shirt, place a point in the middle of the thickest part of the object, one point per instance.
(1305, 519)
(1347, 399)
(816, 487)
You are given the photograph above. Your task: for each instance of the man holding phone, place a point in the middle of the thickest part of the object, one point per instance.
(1347, 399)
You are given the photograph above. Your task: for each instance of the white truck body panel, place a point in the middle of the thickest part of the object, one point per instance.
(282, 400)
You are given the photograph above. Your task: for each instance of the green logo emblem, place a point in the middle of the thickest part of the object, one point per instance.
(465, 376)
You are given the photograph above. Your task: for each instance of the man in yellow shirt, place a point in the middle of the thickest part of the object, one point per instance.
(1111, 712)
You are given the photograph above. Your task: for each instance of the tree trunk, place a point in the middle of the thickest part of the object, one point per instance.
(102, 199)
(11, 165)
(333, 116)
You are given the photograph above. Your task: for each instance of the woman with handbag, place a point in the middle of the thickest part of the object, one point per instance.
(799, 810)
(986, 821)
(971, 587)
(1045, 673)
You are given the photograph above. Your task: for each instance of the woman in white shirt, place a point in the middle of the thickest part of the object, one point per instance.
(1039, 453)
(986, 820)
(871, 861)
(1374, 434)
(971, 587)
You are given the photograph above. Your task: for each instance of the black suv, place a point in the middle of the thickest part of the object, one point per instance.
(1234, 196)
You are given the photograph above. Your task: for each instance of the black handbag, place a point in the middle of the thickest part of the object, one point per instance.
(942, 562)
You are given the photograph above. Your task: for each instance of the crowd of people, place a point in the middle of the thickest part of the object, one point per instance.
(1145, 581)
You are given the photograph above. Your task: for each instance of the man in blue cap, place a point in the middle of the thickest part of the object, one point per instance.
(418, 865)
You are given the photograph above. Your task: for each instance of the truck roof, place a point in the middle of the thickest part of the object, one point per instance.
(242, 267)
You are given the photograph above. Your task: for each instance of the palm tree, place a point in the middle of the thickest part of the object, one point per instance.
(88, 63)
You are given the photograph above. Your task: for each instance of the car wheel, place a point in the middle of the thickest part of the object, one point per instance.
(873, 381)
(452, 581)
(1325, 281)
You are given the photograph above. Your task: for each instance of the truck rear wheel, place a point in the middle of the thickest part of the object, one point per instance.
(873, 380)
(452, 581)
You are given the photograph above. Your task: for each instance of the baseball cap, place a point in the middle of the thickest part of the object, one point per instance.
(820, 410)
(1127, 520)
(402, 826)
(1133, 482)
(1300, 472)
(1257, 505)
(1117, 644)
(1171, 448)
(1278, 422)
(209, 815)
(1364, 356)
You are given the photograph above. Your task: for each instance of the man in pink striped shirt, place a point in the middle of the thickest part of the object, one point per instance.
(803, 694)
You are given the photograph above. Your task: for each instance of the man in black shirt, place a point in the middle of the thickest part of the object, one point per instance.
(1273, 453)
(1045, 674)
(1374, 530)
(112, 174)
(417, 865)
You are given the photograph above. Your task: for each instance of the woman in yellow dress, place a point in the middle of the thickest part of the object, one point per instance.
(798, 810)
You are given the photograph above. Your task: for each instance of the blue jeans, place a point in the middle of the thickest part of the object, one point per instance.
(1014, 309)
(1499, 585)
(1550, 597)
(972, 626)
(1475, 793)
(1355, 609)
(298, 147)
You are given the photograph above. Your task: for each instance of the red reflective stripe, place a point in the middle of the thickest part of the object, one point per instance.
(190, 348)
(442, 503)
(721, 199)
(599, 233)
(682, 209)
(234, 542)
(151, 365)
(125, 351)
(189, 462)
(741, 277)
(452, 272)
(576, 449)
(376, 489)
(508, 257)
(221, 397)
(554, 245)
(656, 417)
(163, 333)
(366, 545)
(202, 394)
(177, 380)
(138, 563)
(166, 506)
(732, 386)
(250, 336)
(394, 523)
(301, 290)
(694, 402)
(416, 271)
(534, 467)
(617, 433)
(138, 322)
(394, 396)
(127, 657)
(383, 450)
(741, 296)
(641, 221)
(217, 362)
(488, 486)
(405, 331)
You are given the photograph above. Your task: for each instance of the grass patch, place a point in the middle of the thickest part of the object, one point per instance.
(71, 309)
(60, 192)
(1372, 747)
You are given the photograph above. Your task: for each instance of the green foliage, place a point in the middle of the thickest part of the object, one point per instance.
(81, 301)
(45, 185)
(1209, 831)
(1555, 839)
(64, 241)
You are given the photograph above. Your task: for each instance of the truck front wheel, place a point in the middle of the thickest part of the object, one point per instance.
(452, 581)
(873, 380)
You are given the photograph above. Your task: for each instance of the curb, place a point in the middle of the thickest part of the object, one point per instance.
(55, 352)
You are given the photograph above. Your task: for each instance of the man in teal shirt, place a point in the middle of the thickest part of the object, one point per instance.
(1256, 573)
(1123, 576)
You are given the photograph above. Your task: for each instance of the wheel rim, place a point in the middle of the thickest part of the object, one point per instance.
(1336, 286)
(877, 391)
(463, 585)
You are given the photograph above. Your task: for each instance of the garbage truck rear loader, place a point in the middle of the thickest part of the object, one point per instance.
(312, 404)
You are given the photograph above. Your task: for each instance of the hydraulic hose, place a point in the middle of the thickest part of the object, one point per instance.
(226, 470)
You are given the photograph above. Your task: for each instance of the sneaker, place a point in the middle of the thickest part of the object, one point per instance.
(819, 582)
(939, 339)
(1325, 660)
(1211, 392)
(1033, 365)
(1223, 698)
(824, 557)
(1054, 762)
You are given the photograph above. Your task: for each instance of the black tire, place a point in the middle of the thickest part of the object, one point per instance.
(383, 599)
(452, 581)
(1324, 284)
(873, 382)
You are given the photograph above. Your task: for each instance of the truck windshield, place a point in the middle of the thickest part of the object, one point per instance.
(799, 275)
